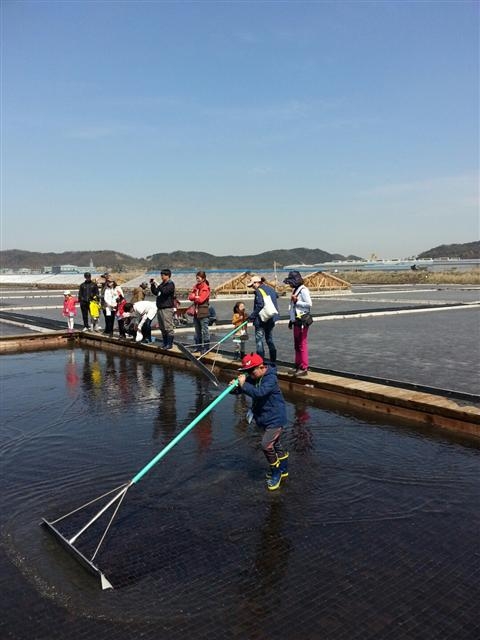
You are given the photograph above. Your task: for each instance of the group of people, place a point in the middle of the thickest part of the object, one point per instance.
(257, 379)
(265, 314)
(107, 296)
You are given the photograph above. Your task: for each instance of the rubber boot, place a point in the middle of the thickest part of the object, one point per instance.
(275, 479)
(283, 466)
(169, 344)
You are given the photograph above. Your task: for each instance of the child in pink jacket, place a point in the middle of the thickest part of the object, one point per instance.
(69, 310)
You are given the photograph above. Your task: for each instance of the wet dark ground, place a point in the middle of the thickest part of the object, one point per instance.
(374, 535)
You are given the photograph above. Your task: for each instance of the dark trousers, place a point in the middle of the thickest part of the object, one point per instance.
(84, 308)
(271, 445)
(109, 322)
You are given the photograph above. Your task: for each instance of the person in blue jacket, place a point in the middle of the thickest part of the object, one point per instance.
(259, 382)
(263, 328)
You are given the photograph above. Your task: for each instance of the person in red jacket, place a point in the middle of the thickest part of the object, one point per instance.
(69, 311)
(200, 296)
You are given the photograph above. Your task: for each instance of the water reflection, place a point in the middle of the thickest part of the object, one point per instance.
(301, 437)
(262, 590)
(91, 375)
(165, 422)
(203, 430)
(71, 373)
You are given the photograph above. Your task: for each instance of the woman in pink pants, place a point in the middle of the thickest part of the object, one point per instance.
(300, 320)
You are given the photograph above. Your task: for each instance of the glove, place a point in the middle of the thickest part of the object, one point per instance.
(290, 324)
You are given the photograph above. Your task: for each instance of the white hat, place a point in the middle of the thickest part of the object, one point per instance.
(67, 293)
(253, 280)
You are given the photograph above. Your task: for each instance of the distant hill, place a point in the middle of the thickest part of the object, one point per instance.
(111, 260)
(465, 251)
(118, 262)
(201, 260)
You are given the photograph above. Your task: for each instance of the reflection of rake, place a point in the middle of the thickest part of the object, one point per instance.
(117, 499)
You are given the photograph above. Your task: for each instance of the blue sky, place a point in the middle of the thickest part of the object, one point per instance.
(239, 127)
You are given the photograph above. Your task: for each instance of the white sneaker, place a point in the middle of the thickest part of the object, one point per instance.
(86, 329)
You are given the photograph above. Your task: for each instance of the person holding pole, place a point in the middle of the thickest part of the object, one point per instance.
(260, 383)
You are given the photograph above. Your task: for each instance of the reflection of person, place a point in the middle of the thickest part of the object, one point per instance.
(200, 296)
(166, 420)
(203, 430)
(71, 373)
(300, 307)
(69, 310)
(259, 382)
(87, 290)
(241, 336)
(263, 329)
(147, 311)
(165, 292)
(302, 438)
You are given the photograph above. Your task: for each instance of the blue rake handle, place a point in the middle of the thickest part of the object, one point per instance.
(230, 333)
(183, 433)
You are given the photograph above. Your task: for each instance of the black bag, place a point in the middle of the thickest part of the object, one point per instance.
(304, 321)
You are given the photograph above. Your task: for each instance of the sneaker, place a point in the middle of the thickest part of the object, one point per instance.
(86, 329)
(300, 373)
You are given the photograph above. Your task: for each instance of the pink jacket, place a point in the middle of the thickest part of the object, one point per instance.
(69, 306)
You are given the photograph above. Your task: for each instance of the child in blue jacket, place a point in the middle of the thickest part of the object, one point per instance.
(259, 382)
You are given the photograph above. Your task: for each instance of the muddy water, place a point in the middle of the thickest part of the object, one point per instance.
(374, 535)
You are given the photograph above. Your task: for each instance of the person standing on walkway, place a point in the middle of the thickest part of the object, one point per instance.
(86, 292)
(260, 383)
(139, 293)
(200, 296)
(300, 320)
(110, 296)
(165, 292)
(241, 336)
(264, 316)
(69, 311)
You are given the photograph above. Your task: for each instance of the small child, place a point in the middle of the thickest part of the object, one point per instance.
(69, 311)
(94, 308)
(121, 302)
(241, 336)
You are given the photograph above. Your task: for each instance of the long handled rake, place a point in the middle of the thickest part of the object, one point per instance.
(210, 375)
(115, 502)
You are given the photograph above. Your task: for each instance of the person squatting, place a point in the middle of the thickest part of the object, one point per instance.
(259, 382)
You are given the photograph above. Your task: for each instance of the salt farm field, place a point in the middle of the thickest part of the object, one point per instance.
(362, 541)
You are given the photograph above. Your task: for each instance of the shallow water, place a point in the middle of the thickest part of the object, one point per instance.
(374, 534)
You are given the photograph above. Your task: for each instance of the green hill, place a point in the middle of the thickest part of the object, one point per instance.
(118, 262)
(465, 251)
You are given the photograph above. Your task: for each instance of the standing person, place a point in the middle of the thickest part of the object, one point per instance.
(264, 327)
(139, 293)
(87, 290)
(69, 311)
(300, 320)
(95, 308)
(259, 382)
(147, 311)
(121, 302)
(200, 296)
(165, 292)
(111, 292)
(241, 336)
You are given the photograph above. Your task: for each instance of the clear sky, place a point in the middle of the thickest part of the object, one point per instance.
(239, 127)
